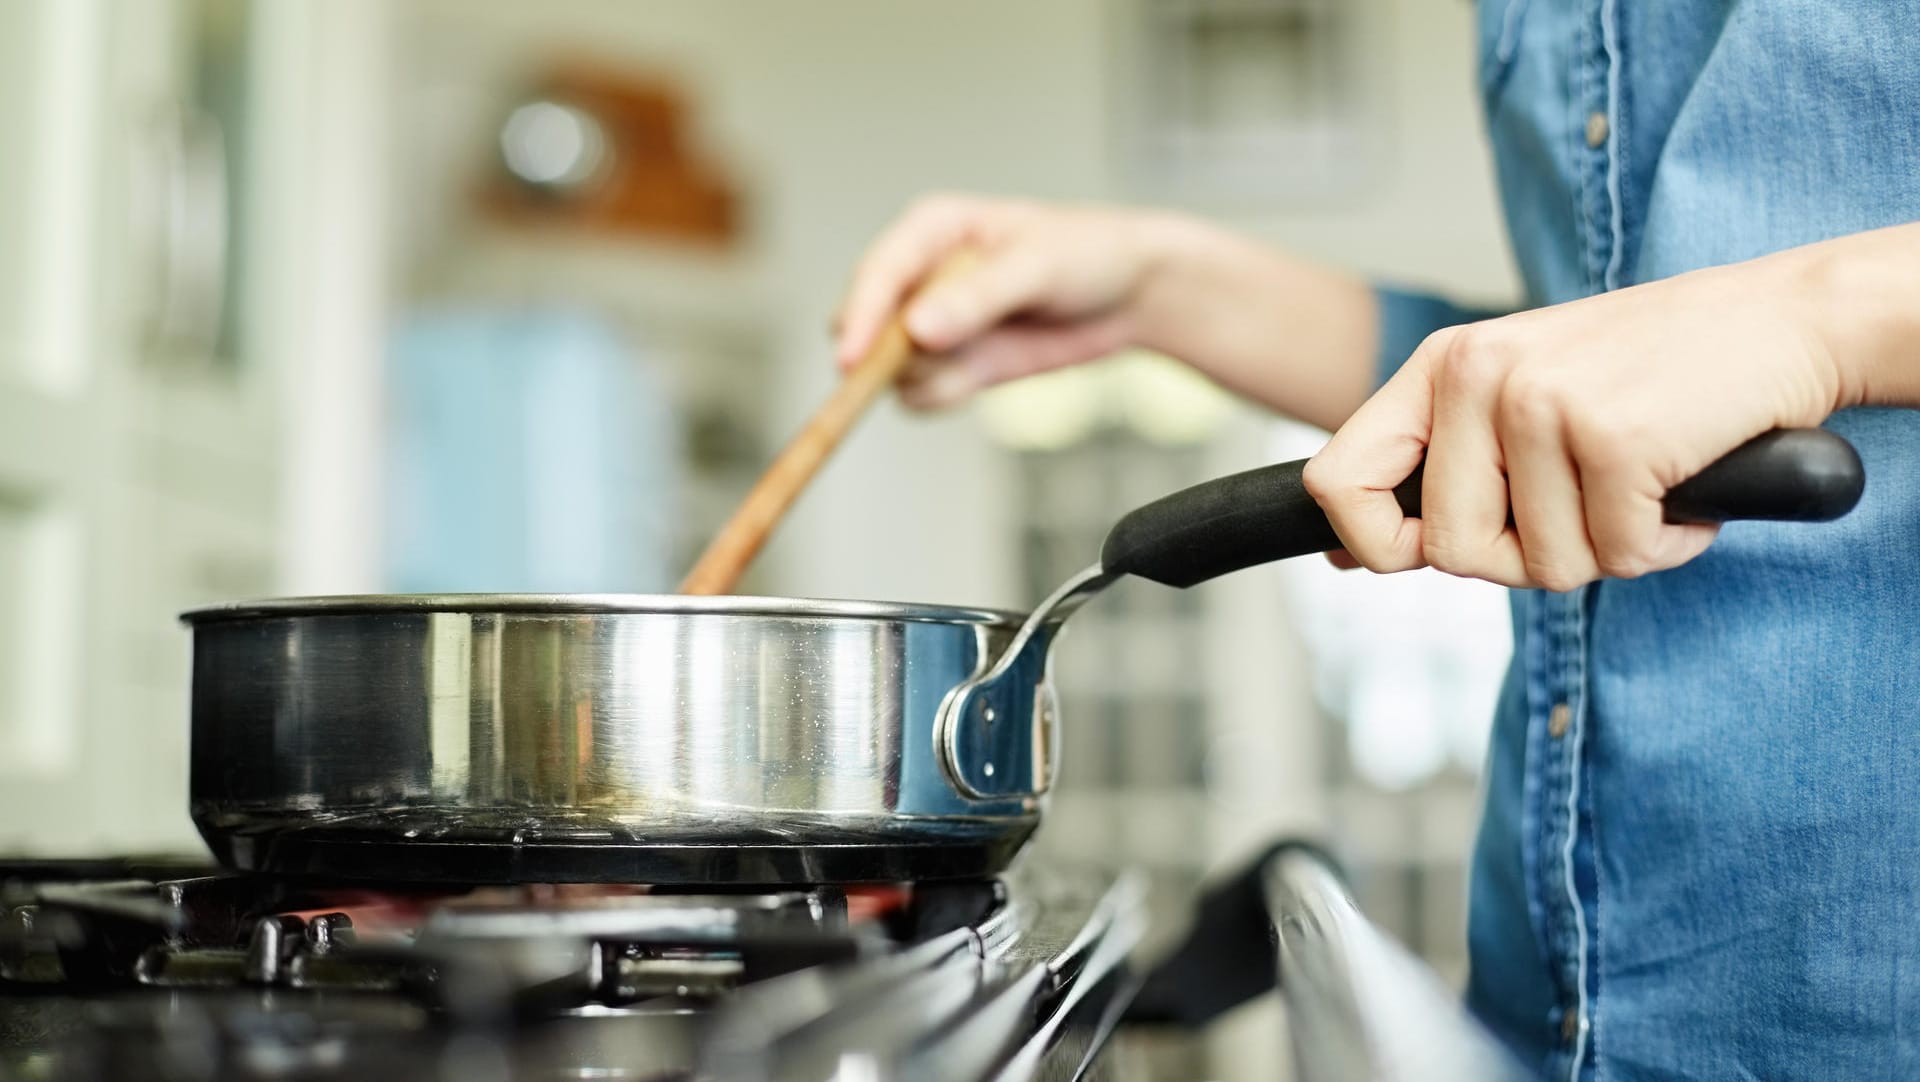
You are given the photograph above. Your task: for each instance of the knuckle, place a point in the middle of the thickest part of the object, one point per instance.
(1444, 551)
(1533, 402)
(1552, 575)
(1473, 357)
(1316, 479)
(1439, 342)
(1381, 556)
(1603, 439)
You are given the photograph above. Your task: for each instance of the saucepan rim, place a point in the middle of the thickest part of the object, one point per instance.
(590, 604)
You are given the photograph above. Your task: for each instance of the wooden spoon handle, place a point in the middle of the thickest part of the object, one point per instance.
(734, 547)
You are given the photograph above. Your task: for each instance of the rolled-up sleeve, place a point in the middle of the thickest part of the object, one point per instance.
(1407, 318)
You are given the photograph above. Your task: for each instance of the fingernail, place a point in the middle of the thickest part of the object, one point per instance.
(929, 322)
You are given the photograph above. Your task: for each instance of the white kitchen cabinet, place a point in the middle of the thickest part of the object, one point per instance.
(140, 442)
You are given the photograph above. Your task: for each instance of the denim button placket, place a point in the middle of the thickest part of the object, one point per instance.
(1597, 128)
(1561, 659)
(1567, 895)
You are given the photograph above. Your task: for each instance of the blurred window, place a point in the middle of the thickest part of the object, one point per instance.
(1249, 100)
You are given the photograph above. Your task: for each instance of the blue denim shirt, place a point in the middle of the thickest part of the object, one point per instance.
(1700, 856)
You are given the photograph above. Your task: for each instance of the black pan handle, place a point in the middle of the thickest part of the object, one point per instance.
(1263, 515)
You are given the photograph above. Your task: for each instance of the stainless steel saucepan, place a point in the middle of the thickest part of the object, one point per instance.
(520, 738)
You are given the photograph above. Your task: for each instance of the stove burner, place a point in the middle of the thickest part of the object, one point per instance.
(204, 975)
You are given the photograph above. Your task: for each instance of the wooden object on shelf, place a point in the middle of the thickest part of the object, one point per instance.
(648, 176)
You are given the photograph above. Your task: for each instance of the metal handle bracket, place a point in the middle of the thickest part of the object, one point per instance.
(990, 697)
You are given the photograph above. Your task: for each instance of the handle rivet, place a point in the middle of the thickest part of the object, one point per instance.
(987, 770)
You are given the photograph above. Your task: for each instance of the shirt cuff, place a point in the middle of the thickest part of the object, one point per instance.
(1406, 319)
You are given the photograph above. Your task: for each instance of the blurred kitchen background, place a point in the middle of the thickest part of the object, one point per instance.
(319, 296)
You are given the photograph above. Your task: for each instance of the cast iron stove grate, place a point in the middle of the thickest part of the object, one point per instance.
(165, 970)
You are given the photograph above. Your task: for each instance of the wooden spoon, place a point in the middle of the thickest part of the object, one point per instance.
(734, 547)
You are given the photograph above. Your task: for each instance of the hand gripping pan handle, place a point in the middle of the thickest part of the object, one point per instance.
(1263, 515)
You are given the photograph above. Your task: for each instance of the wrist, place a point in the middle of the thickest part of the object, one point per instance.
(1860, 297)
(1292, 336)
(1176, 251)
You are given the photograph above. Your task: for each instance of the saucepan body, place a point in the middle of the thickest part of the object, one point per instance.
(518, 738)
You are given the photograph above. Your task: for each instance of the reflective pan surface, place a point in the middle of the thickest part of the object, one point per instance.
(489, 738)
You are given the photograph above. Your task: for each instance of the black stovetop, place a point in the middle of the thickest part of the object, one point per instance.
(132, 969)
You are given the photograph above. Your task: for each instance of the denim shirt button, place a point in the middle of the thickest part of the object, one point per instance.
(1559, 720)
(1596, 129)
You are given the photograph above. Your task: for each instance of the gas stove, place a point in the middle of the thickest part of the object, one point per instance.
(141, 970)
(133, 970)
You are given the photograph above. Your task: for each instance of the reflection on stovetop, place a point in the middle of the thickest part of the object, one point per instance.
(134, 970)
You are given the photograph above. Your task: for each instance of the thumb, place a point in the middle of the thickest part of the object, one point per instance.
(963, 306)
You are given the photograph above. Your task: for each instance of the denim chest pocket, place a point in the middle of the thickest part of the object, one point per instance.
(1499, 42)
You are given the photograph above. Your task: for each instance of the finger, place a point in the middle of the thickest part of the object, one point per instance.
(1549, 511)
(1681, 542)
(1343, 560)
(1626, 520)
(1003, 283)
(1005, 353)
(1354, 475)
(1464, 498)
(941, 384)
(902, 255)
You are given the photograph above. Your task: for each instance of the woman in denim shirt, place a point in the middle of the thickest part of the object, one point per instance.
(1701, 849)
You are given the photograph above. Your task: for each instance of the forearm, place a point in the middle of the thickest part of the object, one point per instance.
(1298, 338)
(1862, 298)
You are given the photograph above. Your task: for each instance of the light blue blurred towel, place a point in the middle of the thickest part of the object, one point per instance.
(527, 451)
